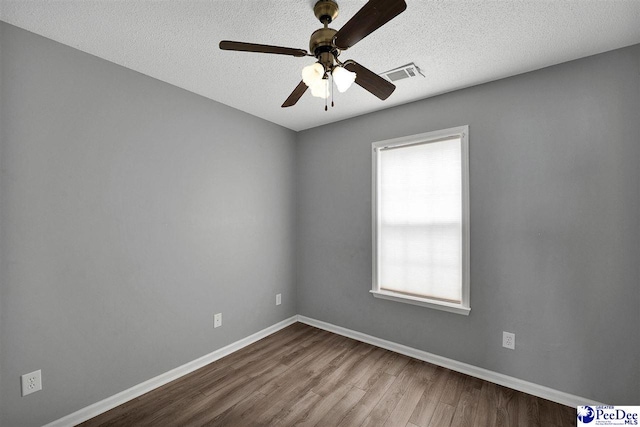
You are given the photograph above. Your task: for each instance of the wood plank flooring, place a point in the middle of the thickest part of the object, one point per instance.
(304, 376)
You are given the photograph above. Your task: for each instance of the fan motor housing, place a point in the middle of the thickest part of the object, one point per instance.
(322, 41)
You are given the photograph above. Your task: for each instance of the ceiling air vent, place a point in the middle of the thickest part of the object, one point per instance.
(404, 72)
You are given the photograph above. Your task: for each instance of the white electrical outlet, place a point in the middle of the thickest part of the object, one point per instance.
(31, 382)
(509, 340)
(278, 299)
(217, 320)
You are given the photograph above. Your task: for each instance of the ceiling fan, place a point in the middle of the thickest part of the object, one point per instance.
(326, 44)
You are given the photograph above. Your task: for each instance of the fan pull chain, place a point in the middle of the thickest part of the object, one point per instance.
(326, 93)
(332, 84)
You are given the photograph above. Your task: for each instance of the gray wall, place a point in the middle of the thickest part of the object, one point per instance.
(555, 230)
(131, 211)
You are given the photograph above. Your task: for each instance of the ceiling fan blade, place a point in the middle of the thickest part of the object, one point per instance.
(295, 95)
(261, 48)
(370, 81)
(369, 18)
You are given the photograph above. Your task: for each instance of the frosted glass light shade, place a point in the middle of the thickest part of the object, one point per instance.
(312, 74)
(320, 89)
(343, 78)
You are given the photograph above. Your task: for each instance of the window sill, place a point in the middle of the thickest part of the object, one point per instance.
(424, 302)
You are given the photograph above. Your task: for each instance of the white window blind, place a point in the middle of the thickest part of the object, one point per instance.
(420, 219)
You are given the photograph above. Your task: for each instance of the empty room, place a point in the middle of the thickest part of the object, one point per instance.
(319, 213)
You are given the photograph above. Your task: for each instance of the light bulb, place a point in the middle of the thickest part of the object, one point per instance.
(311, 74)
(343, 78)
(320, 89)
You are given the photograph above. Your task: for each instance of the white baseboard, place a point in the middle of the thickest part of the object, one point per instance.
(98, 408)
(454, 365)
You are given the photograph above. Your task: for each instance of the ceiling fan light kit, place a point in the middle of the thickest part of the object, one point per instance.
(315, 77)
(326, 44)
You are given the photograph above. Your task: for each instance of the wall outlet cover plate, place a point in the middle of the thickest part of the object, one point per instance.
(509, 340)
(31, 382)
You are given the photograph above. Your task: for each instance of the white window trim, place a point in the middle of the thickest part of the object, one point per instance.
(464, 307)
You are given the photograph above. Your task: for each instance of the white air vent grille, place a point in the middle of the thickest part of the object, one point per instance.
(404, 72)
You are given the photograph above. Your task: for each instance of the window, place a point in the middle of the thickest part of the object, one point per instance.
(421, 220)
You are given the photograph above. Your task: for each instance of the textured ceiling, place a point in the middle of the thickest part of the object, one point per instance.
(456, 43)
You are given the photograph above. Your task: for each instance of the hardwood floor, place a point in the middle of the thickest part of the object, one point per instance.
(304, 376)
